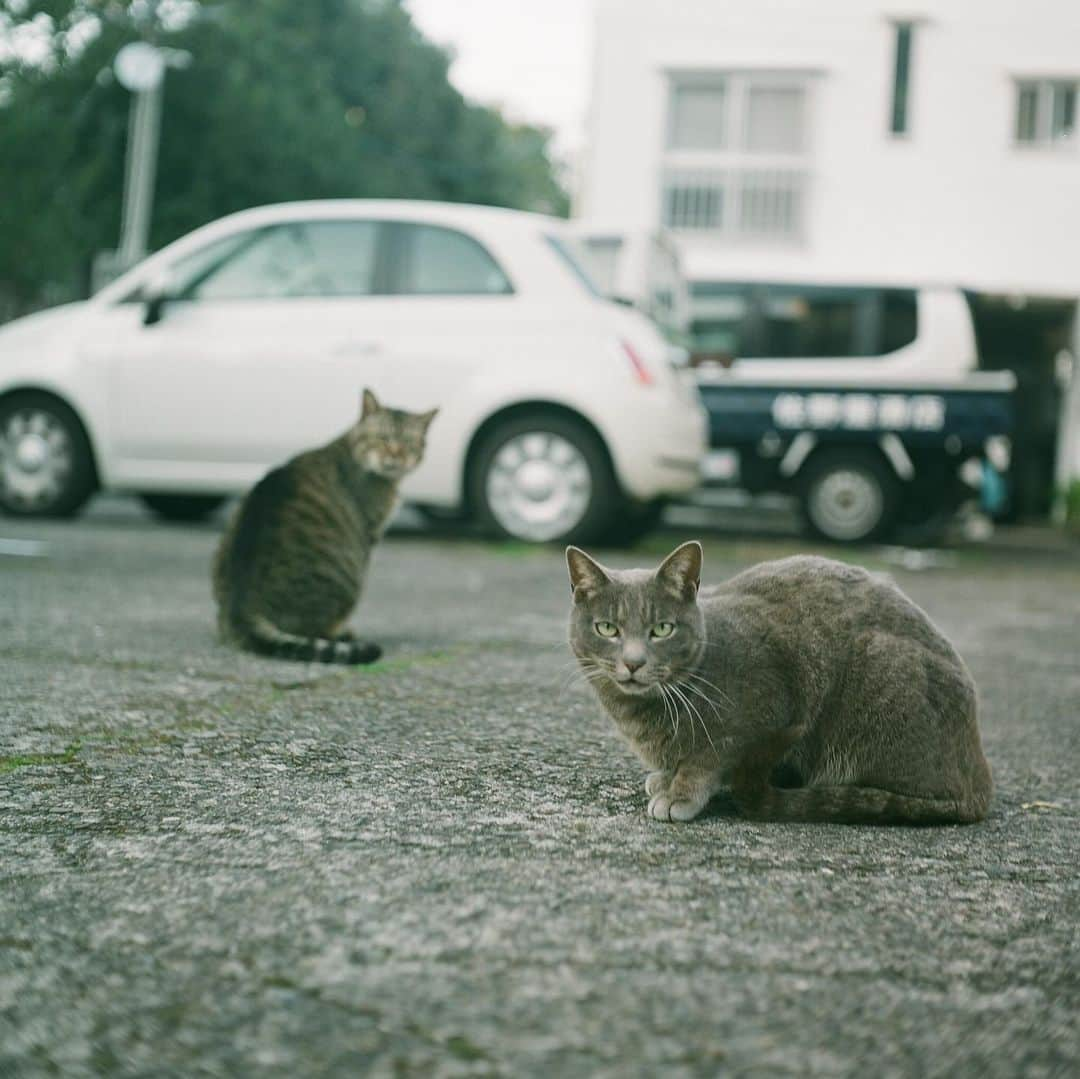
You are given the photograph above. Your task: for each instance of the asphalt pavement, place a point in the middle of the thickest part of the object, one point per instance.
(218, 865)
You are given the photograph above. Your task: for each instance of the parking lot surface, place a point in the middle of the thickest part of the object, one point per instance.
(219, 865)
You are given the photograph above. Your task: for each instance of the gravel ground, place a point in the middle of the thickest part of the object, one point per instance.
(216, 865)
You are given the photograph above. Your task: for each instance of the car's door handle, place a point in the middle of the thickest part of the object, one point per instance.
(356, 348)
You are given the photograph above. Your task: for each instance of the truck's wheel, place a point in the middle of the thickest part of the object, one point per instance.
(848, 496)
(543, 479)
(46, 468)
(189, 508)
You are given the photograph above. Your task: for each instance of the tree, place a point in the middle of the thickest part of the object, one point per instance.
(282, 100)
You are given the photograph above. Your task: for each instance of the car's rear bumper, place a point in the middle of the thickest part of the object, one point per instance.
(659, 449)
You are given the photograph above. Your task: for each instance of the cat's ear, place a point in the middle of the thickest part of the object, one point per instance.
(585, 574)
(681, 570)
(425, 418)
(368, 404)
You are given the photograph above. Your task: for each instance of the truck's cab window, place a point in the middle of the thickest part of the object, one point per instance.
(721, 321)
(808, 323)
(790, 322)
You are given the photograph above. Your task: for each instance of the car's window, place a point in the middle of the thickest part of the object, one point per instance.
(315, 258)
(437, 261)
(192, 268)
(802, 322)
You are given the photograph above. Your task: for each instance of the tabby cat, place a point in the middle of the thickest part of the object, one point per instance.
(291, 565)
(813, 689)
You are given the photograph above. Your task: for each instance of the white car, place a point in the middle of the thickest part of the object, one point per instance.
(561, 415)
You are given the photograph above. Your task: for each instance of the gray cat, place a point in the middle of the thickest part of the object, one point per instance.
(292, 562)
(816, 691)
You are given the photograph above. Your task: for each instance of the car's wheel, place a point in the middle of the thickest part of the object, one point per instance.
(543, 479)
(46, 467)
(848, 496)
(189, 508)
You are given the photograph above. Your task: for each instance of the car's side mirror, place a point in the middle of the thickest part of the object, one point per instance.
(157, 292)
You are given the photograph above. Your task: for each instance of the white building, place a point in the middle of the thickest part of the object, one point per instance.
(851, 141)
(919, 139)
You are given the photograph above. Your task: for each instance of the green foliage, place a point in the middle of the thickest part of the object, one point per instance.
(30, 760)
(1072, 506)
(282, 100)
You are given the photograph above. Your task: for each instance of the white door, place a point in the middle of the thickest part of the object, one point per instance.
(451, 318)
(262, 354)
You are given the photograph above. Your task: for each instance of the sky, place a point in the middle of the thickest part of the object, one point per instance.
(530, 57)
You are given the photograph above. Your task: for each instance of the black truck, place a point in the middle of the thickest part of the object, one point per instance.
(863, 461)
(865, 403)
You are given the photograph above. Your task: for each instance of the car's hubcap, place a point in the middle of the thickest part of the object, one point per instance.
(846, 504)
(539, 486)
(35, 458)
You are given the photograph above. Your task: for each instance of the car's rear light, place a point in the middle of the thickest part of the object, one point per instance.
(641, 370)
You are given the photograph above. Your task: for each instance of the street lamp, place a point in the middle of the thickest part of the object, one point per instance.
(140, 68)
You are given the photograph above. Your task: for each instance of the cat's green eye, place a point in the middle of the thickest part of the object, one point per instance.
(606, 629)
(662, 630)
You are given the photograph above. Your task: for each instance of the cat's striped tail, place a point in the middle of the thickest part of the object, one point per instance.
(758, 799)
(265, 639)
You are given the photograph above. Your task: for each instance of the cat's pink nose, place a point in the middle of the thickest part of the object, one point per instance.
(634, 664)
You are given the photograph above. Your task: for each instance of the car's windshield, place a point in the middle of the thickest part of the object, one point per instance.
(570, 251)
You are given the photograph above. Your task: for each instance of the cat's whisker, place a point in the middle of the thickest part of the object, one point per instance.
(673, 714)
(690, 705)
(690, 687)
(675, 701)
(712, 685)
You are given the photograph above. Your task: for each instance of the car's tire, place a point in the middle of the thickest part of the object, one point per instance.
(46, 465)
(185, 508)
(442, 517)
(543, 478)
(848, 496)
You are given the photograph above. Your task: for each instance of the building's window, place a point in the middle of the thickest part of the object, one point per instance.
(697, 120)
(1027, 113)
(736, 149)
(1063, 110)
(774, 119)
(694, 201)
(905, 33)
(1046, 112)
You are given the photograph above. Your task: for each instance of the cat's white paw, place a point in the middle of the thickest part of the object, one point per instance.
(657, 782)
(662, 807)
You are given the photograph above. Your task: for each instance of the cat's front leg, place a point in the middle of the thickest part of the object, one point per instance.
(658, 782)
(687, 791)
